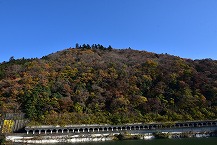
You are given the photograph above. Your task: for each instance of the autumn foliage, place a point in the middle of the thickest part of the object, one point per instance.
(94, 84)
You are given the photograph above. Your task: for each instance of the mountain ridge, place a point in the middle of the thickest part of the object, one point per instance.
(96, 84)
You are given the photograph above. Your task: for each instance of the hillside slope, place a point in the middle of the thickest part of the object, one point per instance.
(105, 85)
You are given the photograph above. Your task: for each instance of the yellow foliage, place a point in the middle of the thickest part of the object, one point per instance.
(147, 77)
(7, 126)
(143, 99)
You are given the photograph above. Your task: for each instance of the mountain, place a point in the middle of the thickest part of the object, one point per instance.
(94, 84)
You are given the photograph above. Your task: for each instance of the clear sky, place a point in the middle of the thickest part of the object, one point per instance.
(35, 28)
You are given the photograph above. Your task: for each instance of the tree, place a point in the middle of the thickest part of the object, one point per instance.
(109, 47)
(11, 58)
(76, 45)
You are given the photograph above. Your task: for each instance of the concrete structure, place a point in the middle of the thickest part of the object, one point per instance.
(99, 128)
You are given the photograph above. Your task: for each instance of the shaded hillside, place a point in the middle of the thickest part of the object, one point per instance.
(104, 85)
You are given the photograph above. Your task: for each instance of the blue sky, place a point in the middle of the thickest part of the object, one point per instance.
(35, 28)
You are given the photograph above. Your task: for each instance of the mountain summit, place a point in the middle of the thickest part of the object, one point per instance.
(94, 84)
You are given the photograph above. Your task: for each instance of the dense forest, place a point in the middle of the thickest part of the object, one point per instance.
(96, 84)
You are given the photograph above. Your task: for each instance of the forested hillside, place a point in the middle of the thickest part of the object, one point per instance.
(94, 84)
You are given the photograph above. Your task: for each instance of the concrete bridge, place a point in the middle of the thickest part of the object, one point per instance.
(103, 128)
